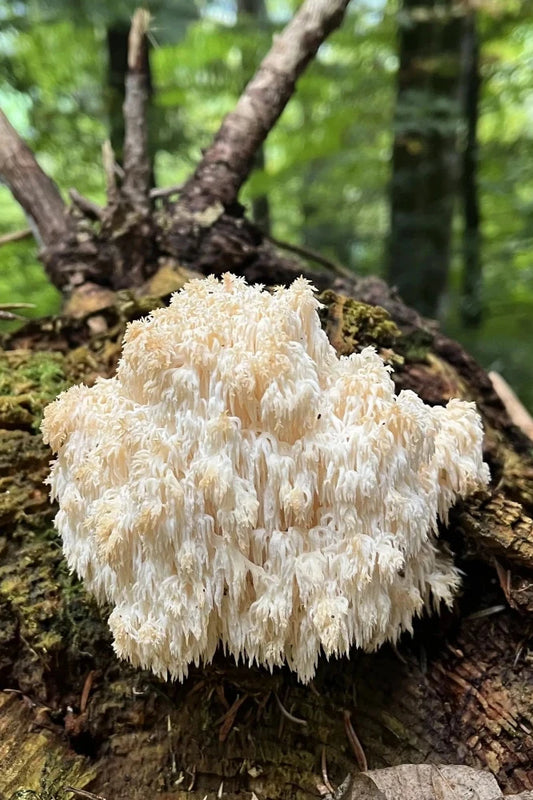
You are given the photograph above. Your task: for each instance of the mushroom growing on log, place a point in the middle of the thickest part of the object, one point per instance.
(459, 691)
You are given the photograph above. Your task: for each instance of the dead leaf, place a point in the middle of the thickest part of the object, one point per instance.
(426, 782)
(360, 787)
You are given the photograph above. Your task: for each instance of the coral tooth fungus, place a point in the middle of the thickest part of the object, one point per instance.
(237, 483)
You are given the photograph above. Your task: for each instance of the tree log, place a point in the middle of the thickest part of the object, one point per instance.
(459, 691)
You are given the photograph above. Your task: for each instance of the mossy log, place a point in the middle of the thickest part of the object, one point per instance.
(459, 691)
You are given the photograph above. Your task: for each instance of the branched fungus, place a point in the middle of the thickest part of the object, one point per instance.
(237, 483)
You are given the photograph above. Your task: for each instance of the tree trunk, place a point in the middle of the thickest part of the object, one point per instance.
(471, 300)
(117, 67)
(424, 151)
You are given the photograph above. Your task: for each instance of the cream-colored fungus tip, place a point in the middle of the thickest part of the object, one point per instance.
(238, 484)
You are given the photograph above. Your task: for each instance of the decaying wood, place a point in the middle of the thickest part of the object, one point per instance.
(31, 752)
(91, 210)
(459, 692)
(121, 246)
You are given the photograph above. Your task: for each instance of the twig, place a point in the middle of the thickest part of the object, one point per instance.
(311, 255)
(136, 41)
(355, 743)
(83, 793)
(155, 194)
(87, 207)
(324, 770)
(486, 612)
(504, 579)
(287, 714)
(192, 773)
(6, 311)
(228, 720)
(173, 765)
(87, 686)
(8, 315)
(108, 160)
(16, 236)
(227, 162)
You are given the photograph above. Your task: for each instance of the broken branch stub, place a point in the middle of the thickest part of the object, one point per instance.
(226, 164)
(136, 185)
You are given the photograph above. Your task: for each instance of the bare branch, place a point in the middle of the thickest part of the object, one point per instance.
(136, 185)
(227, 163)
(108, 160)
(7, 310)
(157, 193)
(87, 207)
(312, 255)
(16, 236)
(30, 186)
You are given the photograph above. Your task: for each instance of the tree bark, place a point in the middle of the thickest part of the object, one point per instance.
(137, 167)
(31, 187)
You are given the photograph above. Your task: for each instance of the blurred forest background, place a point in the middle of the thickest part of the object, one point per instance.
(407, 150)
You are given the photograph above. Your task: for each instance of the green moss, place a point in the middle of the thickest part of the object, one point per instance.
(352, 325)
(29, 587)
(54, 779)
(48, 606)
(28, 382)
(416, 345)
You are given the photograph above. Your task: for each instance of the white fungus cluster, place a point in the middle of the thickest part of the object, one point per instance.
(237, 483)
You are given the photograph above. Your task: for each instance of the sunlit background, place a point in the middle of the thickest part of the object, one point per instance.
(328, 165)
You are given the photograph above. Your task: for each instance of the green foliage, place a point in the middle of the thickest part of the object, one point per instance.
(22, 276)
(503, 342)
